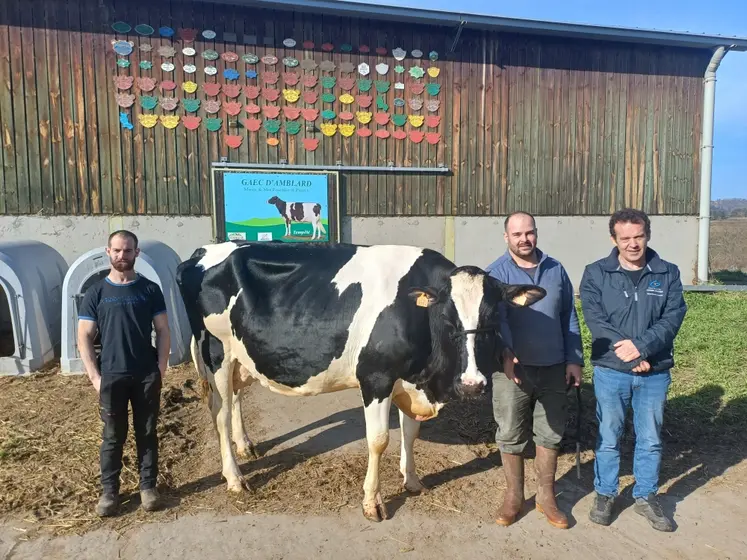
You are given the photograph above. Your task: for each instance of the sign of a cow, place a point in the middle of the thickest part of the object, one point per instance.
(398, 323)
(309, 212)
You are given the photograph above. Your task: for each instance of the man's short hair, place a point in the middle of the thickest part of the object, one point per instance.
(630, 215)
(123, 233)
(518, 212)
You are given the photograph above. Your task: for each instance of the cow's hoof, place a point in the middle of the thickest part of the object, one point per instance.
(375, 511)
(247, 452)
(238, 485)
(414, 486)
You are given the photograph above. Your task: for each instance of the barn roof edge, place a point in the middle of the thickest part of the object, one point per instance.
(500, 23)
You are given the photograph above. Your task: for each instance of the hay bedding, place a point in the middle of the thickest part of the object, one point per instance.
(49, 466)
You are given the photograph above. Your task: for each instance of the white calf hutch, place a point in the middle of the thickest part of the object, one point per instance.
(157, 262)
(31, 279)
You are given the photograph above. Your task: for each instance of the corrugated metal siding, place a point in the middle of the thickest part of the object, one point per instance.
(552, 127)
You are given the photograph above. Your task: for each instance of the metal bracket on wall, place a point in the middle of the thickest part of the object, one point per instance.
(462, 23)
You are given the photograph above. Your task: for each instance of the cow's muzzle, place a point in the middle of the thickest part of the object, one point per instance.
(471, 388)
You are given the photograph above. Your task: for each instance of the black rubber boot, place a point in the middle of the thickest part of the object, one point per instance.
(108, 504)
(650, 508)
(601, 511)
(150, 499)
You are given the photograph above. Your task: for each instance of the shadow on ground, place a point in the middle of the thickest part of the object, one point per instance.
(730, 277)
(703, 437)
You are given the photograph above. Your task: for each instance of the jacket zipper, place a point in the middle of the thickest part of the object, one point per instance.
(635, 294)
(635, 291)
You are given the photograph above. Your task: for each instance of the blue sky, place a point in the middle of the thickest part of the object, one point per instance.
(725, 17)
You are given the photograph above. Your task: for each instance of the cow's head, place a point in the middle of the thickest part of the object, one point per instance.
(465, 329)
(273, 200)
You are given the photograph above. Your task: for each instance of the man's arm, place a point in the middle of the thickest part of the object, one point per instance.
(86, 334)
(161, 325)
(662, 333)
(574, 349)
(507, 357)
(505, 328)
(594, 314)
(163, 340)
(87, 326)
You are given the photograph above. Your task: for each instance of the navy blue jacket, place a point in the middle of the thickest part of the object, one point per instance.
(547, 332)
(649, 314)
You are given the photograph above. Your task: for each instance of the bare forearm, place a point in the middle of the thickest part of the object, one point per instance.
(88, 355)
(163, 344)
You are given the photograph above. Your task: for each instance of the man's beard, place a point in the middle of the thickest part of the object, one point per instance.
(518, 250)
(123, 266)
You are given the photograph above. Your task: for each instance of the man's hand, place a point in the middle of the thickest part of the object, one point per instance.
(508, 365)
(626, 350)
(573, 374)
(643, 367)
(96, 382)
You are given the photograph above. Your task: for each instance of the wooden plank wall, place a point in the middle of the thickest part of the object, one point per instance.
(548, 126)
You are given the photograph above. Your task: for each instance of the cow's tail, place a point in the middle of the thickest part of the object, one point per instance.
(202, 378)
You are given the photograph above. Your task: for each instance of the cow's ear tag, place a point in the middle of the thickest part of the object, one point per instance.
(423, 297)
(521, 299)
(422, 300)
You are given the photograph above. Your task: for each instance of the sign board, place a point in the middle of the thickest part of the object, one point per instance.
(255, 204)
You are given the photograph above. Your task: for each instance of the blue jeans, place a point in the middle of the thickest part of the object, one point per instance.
(615, 391)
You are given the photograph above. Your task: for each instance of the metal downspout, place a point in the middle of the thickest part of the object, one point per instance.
(706, 162)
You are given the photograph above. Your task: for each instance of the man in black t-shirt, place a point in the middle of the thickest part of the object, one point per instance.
(124, 307)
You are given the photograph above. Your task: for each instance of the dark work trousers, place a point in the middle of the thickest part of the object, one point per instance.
(117, 391)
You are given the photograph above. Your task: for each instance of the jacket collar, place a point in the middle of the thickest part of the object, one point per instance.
(653, 261)
(508, 258)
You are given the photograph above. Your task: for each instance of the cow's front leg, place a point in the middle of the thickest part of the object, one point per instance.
(221, 409)
(377, 436)
(409, 430)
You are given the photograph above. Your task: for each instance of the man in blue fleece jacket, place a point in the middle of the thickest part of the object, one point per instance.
(546, 342)
(633, 305)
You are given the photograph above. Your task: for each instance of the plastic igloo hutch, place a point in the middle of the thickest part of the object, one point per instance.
(31, 278)
(157, 262)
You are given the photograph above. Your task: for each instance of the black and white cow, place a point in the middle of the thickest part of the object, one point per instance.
(399, 323)
(309, 212)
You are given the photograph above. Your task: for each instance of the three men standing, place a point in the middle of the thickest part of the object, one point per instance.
(546, 341)
(124, 307)
(633, 304)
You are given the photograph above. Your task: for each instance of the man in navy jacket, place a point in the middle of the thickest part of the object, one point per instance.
(633, 304)
(546, 343)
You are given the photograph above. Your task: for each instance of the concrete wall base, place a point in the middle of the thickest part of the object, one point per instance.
(574, 240)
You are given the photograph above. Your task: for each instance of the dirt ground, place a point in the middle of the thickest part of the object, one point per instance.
(307, 486)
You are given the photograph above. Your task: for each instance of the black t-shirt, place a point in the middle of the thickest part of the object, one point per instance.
(124, 315)
(635, 275)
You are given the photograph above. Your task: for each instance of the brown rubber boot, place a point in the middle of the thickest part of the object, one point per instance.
(513, 498)
(546, 464)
